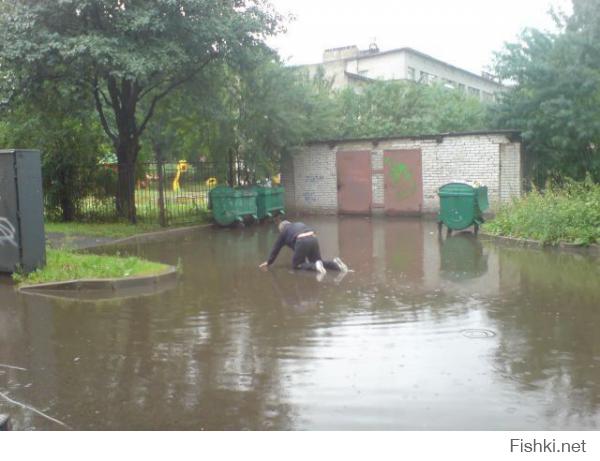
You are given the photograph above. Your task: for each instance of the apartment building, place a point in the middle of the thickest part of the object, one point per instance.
(350, 66)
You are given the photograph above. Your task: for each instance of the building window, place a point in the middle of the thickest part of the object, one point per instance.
(461, 87)
(474, 92)
(411, 75)
(449, 83)
(488, 96)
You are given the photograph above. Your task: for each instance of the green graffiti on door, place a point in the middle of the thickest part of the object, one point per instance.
(401, 178)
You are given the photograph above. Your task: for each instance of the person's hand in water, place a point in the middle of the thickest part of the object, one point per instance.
(264, 265)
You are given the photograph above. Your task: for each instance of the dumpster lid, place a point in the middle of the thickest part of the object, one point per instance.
(472, 184)
(465, 181)
(221, 190)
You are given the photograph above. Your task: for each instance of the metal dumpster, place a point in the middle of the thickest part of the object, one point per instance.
(22, 237)
(269, 201)
(462, 205)
(231, 205)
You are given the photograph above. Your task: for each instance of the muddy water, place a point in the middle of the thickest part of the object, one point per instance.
(457, 333)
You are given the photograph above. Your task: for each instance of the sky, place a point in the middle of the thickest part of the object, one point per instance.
(464, 33)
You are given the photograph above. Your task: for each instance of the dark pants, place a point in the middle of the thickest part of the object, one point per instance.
(307, 253)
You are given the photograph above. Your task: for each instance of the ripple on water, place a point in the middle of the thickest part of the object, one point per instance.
(476, 333)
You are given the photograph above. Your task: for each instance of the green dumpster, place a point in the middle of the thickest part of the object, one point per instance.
(269, 201)
(462, 205)
(231, 205)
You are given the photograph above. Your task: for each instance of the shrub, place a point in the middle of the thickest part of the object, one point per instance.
(569, 212)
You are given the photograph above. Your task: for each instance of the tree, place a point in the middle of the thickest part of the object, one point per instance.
(128, 54)
(71, 141)
(406, 108)
(555, 94)
(271, 109)
(250, 110)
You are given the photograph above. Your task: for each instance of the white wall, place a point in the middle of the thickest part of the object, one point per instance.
(394, 65)
(390, 66)
(442, 71)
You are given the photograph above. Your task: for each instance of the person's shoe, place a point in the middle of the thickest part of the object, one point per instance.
(320, 268)
(320, 276)
(340, 264)
(340, 277)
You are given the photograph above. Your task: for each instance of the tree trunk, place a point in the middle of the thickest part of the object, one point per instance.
(68, 208)
(67, 203)
(161, 187)
(230, 178)
(127, 155)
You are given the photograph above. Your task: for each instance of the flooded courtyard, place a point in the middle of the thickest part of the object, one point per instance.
(429, 333)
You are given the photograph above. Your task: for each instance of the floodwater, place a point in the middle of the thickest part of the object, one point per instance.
(458, 333)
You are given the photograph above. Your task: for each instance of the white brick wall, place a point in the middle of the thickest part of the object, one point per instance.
(510, 172)
(287, 179)
(315, 180)
(377, 183)
(476, 157)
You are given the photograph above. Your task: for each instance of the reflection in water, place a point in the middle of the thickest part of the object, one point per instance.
(548, 318)
(462, 257)
(425, 334)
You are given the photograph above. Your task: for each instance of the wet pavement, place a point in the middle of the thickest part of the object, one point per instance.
(427, 333)
(80, 242)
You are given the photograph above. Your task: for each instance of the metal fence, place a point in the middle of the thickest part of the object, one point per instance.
(165, 193)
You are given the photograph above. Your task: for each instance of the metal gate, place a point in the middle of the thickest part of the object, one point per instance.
(403, 181)
(354, 182)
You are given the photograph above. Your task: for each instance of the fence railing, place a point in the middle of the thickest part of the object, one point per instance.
(164, 193)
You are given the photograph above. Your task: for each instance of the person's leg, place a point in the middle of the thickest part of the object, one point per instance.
(331, 265)
(301, 251)
(341, 264)
(315, 255)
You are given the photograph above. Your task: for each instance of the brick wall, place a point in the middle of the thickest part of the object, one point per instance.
(511, 183)
(315, 180)
(491, 159)
(287, 179)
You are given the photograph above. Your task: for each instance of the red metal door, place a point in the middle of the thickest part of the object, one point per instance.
(403, 181)
(354, 182)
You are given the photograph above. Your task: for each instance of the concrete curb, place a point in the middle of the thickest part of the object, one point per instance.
(102, 289)
(593, 249)
(147, 237)
(99, 289)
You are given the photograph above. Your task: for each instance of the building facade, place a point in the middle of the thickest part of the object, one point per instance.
(400, 175)
(349, 66)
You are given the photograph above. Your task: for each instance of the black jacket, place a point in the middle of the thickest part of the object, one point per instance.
(288, 238)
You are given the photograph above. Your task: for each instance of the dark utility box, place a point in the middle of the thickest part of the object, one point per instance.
(22, 236)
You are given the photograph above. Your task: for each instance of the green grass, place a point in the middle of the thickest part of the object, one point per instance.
(64, 265)
(109, 230)
(570, 213)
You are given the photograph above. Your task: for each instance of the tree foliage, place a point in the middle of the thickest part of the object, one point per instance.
(250, 110)
(555, 99)
(128, 54)
(406, 108)
(70, 138)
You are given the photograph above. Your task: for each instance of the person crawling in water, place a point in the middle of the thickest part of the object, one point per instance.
(307, 254)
